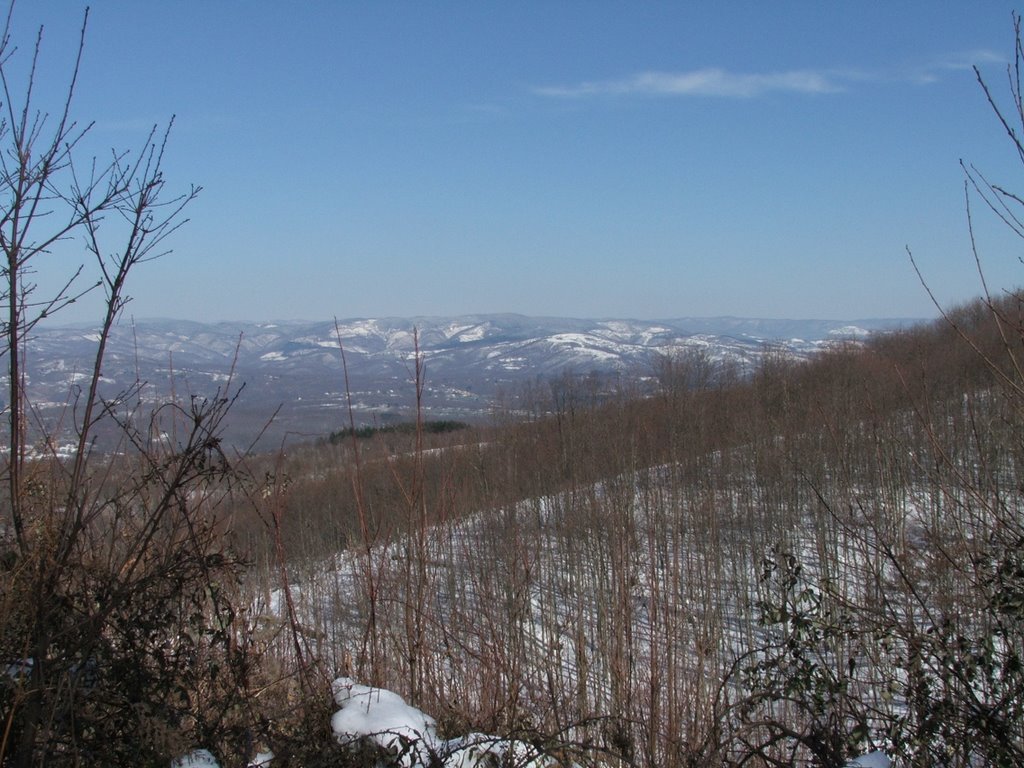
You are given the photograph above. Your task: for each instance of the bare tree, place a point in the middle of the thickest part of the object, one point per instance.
(117, 628)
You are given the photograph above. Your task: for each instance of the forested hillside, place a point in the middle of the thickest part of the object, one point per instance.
(801, 566)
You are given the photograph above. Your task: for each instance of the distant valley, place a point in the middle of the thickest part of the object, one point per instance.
(293, 370)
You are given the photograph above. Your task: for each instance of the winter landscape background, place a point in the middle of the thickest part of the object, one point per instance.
(475, 364)
(437, 539)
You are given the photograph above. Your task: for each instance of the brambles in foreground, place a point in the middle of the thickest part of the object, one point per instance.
(801, 682)
(121, 635)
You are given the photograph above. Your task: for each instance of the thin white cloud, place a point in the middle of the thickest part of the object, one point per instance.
(700, 82)
(964, 62)
(715, 82)
(971, 59)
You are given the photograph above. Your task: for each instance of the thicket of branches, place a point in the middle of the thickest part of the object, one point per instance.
(123, 639)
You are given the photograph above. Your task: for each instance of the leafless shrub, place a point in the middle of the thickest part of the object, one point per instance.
(121, 635)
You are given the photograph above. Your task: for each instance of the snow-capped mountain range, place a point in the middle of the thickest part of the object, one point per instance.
(295, 368)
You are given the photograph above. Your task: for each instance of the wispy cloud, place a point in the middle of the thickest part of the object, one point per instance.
(971, 59)
(934, 71)
(700, 82)
(721, 83)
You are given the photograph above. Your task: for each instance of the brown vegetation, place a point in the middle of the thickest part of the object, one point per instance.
(733, 569)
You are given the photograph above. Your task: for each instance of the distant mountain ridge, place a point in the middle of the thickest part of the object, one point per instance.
(295, 367)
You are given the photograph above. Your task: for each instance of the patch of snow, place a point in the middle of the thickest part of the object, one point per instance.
(272, 356)
(651, 334)
(618, 326)
(384, 717)
(360, 328)
(585, 344)
(472, 335)
(199, 758)
(455, 330)
(399, 338)
(871, 760)
(17, 670)
(478, 750)
(849, 331)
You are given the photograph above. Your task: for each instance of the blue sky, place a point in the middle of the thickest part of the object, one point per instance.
(588, 159)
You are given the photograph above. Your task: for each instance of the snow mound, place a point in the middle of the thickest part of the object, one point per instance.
(410, 735)
(385, 718)
(200, 758)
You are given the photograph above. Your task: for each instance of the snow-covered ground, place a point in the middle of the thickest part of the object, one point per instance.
(405, 736)
(408, 737)
(636, 563)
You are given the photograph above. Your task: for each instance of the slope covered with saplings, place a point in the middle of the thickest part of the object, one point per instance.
(801, 565)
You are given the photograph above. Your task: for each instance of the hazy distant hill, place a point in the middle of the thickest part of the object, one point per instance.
(294, 368)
